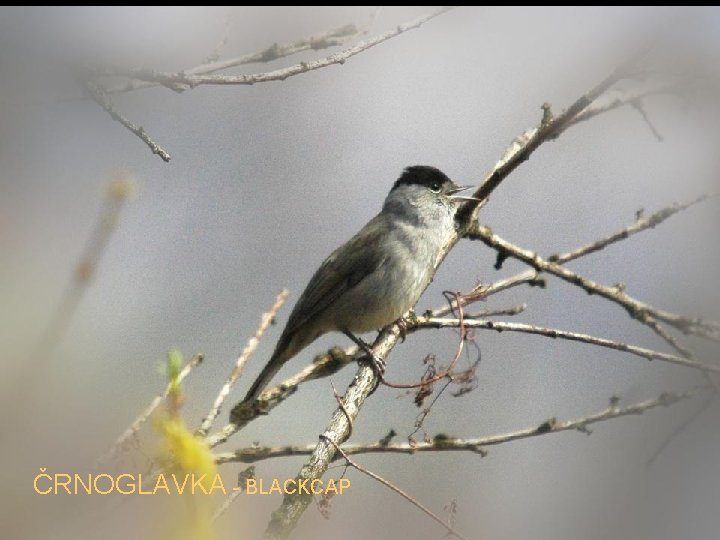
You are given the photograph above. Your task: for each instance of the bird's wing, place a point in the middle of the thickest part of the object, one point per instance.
(346, 267)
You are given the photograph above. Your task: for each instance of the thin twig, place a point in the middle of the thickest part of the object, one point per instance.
(550, 128)
(445, 443)
(532, 277)
(397, 490)
(640, 108)
(191, 81)
(554, 333)
(331, 38)
(323, 365)
(101, 97)
(641, 223)
(285, 518)
(134, 428)
(236, 492)
(618, 98)
(635, 308)
(482, 292)
(682, 427)
(447, 372)
(252, 344)
(513, 310)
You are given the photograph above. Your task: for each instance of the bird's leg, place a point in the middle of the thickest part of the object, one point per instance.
(378, 363)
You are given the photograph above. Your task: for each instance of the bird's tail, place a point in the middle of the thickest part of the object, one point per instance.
(283, 352)
(266, 375)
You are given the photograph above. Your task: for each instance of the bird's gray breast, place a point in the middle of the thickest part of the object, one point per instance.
(386, 294)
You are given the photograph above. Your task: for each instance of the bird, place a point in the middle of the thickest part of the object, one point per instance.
(377, 276)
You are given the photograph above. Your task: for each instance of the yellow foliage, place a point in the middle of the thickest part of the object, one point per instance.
(182, 453)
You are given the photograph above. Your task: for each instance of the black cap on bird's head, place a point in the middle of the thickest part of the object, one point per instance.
(422, 175)
(432, 178)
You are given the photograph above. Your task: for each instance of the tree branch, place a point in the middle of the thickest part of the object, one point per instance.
(636, 309)
(450, 531)
(286, 517)
(641, 223)
(531, 277)
(445, 443)
(192, 80)
(100, 96)
(323, 365)
(331, 38)
(252, 344)
(499, 326)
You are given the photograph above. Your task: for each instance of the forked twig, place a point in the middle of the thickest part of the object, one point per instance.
(396, 489)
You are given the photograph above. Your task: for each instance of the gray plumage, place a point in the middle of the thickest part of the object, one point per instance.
(378, 275)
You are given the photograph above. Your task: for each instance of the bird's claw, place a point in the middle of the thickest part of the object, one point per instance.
(404, 323)
(403, 327)
(378, 364)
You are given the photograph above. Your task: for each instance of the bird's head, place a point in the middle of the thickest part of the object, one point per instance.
(424, 193)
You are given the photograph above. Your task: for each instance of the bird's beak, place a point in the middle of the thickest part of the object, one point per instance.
(459, 189)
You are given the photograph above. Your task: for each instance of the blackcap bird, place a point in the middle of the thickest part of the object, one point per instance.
(378, 275)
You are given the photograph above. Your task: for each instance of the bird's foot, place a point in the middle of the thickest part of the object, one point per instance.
(404, 324)
(377, 362)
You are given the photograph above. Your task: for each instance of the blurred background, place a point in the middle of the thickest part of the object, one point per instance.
(266, 180)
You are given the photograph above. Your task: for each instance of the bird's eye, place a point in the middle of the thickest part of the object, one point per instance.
(435, 187)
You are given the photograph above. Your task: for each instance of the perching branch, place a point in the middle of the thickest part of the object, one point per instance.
(323, 365)
(285, 518)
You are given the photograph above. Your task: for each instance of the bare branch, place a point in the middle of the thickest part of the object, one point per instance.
(323, 365)
(191, 80)
(101, 97)
(481, 292)
(513, 310)
(444, 443)
(531, 277)
(285, 518)
(642, 223)
(683, 426)
(332, 38)
(252, 344)
(397, 490)
(365, 381)
(550, 128)
(554, 333)
(637, 310)
(618, 98)
(118, 193)
(242, 478)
